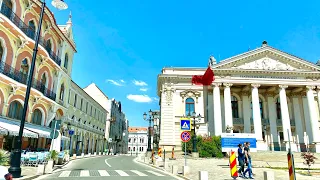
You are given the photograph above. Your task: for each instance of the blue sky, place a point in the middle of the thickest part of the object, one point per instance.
(134, 39)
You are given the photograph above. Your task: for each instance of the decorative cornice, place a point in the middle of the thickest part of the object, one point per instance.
(310, 87)
(190, 93)
(283, 86)
(216, 84)
(227, 85)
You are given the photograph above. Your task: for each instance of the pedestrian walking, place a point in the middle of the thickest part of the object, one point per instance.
(248, 161)
(241, 158)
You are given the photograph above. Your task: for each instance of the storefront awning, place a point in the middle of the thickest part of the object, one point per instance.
(41, 133)
(13, 129)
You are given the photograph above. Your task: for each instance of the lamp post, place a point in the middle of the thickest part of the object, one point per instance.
(149, 133)
(15, 168)
(194, 138)
(155, 134)
(70, 132)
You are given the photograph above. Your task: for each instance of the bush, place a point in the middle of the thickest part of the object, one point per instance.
(206, 146)
(4, 157)
(53, 155)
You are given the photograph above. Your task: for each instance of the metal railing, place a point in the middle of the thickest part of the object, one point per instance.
(22, 78)
(29, 31)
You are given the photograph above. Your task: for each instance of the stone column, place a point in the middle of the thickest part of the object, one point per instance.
(257, 115)
(246, 113)
(318, 96)
(298, 120)
(286, 126)
(273, 121)
(313, 119)
(227, 106)
(217, 109)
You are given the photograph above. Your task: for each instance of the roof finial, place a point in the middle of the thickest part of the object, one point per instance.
(70, 17)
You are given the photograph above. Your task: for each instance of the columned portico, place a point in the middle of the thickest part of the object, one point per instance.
(265, 92)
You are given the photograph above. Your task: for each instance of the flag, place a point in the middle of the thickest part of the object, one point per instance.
(205, 79)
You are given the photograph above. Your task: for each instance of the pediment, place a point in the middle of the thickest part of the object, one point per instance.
(267, 58)
(190, 93)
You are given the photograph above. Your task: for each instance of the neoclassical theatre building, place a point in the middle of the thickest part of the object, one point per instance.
(53, 94)
(264, 91)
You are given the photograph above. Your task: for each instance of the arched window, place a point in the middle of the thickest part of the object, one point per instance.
(32, 29)
(62, 92)
(278, 107)
(134, 140)
(134, 148)
(8, 8)
(43, 83)
(66, 61)
(24, 70)
(129, 148)
(129, 140)
(37, 117)
(48, 46)
(235, 107)
(1, 51)
(189, 107)
(15, 110)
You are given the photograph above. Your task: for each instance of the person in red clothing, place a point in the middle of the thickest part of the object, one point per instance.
(8, 176)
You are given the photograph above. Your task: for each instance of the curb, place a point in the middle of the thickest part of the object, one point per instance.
(160, 169)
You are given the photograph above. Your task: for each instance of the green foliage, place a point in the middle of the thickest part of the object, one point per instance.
(53, 155)
(66, 152)
(4, 157)
(206, 146)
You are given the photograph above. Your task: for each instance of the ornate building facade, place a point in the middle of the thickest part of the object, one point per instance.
(264, 91)
(52, 85)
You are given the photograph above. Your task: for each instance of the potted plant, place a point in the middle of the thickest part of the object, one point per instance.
(52, 157)
(4, 157)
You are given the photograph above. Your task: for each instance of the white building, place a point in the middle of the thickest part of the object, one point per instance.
(263, 91)
(138, 140)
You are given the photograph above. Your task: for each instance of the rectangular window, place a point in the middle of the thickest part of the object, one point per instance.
(81, 102)
(75, 100)
(69, 96)
(91, 111)
(87, 108)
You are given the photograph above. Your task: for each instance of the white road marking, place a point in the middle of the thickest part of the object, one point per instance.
(65, 174)
(84, 173)
(106, 161)
(121, 173)
(155, 173)
(103, 173)
(138, 173)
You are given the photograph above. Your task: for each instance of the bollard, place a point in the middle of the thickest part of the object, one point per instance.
(174, 170)
(233, 165)
(203, 175)
(292, 175)
(40, 169)
(152, 156)
(185, 170)
(159, 152)
(172, 155)
(74, 156)
(268, 175)
(146, 160)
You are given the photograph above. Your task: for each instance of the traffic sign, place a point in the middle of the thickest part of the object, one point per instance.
(54, 134)
(185, 136)
(185, 124)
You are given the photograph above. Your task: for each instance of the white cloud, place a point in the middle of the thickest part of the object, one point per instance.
(139, 83)
(139, 98)
(122, 81)
(144, 89)
(116, 83)
(156, 99)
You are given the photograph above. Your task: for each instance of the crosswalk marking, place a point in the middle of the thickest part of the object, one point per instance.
(155, 173)
(103, 173)
(84, 173)
(122, 173)
(65, 174)
(138, 173)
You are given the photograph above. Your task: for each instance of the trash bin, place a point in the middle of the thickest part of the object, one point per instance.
(61, 158)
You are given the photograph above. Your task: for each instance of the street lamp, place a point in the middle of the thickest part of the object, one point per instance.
(155, 134)
(15, 161)
(194, 138)
(149, 133)
(70, 132)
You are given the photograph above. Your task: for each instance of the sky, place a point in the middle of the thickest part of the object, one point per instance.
(123, 45)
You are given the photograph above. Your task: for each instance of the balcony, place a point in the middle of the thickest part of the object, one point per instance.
(22, 78)
(27, 30)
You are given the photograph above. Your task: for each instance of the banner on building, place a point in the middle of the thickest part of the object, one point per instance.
(230, 141)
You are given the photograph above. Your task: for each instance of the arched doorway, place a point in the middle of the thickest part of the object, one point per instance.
(37, 117)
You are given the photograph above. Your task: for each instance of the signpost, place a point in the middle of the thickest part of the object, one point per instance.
(185, 124)
(185, 137)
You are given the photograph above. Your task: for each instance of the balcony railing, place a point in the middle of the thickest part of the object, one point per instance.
(29, 31)
(22, 78)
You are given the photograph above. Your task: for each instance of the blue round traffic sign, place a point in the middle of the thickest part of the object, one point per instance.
(185, 136)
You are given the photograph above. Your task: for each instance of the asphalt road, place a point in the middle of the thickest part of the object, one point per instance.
(107, 167)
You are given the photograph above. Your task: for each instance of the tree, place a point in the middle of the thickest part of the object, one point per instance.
(309, 159)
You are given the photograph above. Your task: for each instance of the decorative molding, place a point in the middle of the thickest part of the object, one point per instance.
(168, 90)
(190, 93)
(310, 87)
(245, 93)
(267, 63)
(216, 84)
(21, 43)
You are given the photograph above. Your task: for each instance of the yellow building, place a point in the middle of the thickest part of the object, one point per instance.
(51, 85)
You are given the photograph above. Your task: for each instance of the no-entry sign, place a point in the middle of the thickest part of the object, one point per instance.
(185, 136)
